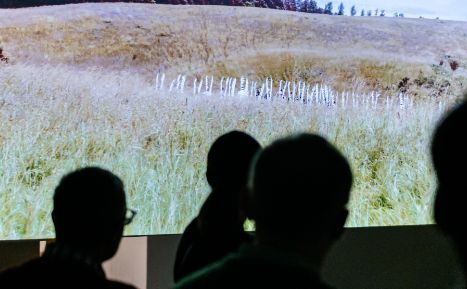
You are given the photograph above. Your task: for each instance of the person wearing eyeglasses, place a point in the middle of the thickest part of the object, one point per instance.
(89, 216)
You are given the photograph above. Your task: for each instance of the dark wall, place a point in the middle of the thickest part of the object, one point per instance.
(412, 257)
(14, 253)
(161, 257)
(416, 257)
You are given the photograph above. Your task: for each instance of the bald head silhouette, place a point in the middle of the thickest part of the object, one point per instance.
(301, 186)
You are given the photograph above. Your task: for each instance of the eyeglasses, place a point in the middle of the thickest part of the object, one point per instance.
(129, 216)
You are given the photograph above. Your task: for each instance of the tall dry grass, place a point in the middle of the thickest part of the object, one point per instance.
(60, 118)
(79, 90)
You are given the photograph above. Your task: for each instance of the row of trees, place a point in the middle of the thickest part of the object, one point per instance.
(311, 6)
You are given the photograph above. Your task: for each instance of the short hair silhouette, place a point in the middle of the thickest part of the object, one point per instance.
(228, 165)
(449, 153)
(218, 228)
(301, 186)
(89, 216)
(89, 211)
(229, 160)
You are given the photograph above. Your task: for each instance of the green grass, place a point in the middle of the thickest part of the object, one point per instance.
(157, 142)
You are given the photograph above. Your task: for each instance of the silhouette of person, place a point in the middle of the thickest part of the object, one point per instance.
(218, 229)
(300, 187)
(89, 216)
(449, 153)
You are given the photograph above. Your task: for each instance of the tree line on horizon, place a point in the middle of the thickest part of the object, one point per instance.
(311, 6)
(307, 6)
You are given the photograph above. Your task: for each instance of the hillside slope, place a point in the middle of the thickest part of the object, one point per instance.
(232, 40)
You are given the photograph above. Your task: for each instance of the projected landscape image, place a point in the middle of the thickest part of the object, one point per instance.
(144, 89)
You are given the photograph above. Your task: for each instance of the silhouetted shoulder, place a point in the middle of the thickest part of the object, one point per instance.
(42, 273)
(189, 236)
(253, 268)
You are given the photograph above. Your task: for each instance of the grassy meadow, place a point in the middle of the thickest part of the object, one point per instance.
(79, 89)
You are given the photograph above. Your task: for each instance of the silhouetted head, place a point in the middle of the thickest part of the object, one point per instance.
(89, 212)
(300, 186)
(229, 161)
(449, 152)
